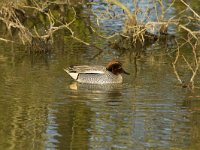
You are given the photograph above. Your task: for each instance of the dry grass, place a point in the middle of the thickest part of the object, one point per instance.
(144, 30)
(14, 17)
(9, 15)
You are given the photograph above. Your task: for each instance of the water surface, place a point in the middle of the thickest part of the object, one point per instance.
(41, 107)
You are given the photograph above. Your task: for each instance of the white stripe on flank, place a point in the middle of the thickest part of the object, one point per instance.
(93, 71)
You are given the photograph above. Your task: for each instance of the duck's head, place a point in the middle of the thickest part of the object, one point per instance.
(116, 67)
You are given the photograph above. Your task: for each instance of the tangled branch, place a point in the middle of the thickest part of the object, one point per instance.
(140, 29)
(12, 16)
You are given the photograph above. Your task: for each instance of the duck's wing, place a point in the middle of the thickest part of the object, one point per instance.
(74, 71)
(87, 69)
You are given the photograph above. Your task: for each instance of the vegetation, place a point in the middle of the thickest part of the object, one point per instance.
(36, 23)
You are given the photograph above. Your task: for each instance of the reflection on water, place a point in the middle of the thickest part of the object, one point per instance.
(42, 108)
(39, 108)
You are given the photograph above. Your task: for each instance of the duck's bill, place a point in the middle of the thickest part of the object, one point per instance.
(126, 72)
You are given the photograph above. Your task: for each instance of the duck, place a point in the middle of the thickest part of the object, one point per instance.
(95, 74)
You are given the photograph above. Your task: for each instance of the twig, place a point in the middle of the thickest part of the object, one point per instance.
(104, 36)
(190, 8)
(5, 40)
(189, 31)
(174, 63)
(122, 6)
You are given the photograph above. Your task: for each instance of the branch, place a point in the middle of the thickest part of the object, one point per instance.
(5, 40)
(190, 9)
(131, 18)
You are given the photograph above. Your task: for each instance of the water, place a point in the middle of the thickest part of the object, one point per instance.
(41, 107)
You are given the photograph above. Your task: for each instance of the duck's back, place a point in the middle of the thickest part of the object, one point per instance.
(93, 74)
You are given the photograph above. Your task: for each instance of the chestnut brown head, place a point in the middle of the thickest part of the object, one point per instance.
(116, 67)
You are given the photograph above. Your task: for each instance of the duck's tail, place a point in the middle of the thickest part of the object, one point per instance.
(74, 75)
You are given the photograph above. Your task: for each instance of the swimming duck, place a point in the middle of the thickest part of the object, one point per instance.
(97, 74)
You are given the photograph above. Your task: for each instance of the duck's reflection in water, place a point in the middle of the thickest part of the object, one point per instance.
(111, 122)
